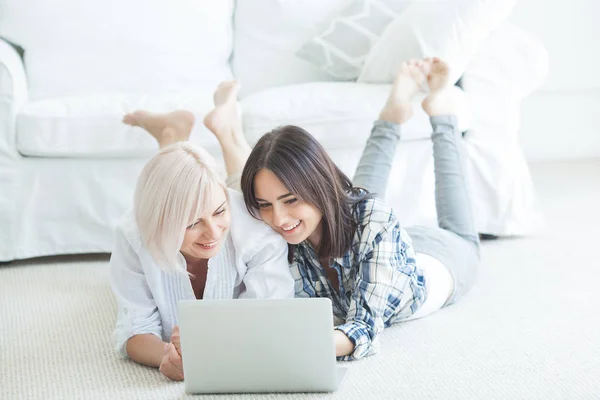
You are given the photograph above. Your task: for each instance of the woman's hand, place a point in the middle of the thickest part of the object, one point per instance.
(171, 365)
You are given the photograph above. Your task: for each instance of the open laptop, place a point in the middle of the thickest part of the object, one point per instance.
(258, 346)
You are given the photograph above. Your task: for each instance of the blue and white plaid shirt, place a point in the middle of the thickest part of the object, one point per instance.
(379, 284)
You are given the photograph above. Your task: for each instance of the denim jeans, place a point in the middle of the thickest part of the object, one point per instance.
(455, 241)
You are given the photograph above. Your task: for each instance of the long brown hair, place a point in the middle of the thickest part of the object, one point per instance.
(305, 169)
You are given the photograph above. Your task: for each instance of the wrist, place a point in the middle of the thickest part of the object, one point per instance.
(343, 345)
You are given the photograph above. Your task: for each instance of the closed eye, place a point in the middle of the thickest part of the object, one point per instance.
(263, 205)
(291, 201)
(192, 225)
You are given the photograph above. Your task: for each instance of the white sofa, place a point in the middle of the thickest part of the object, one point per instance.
(68, 166)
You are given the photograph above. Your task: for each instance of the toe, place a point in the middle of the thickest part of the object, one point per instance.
(129, 119)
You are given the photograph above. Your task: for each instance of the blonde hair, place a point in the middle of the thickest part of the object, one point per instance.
(173, 188)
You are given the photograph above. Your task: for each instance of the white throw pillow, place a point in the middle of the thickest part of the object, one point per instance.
(342, 48)
(451, 29)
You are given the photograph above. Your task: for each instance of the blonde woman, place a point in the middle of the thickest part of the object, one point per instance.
(187, 237)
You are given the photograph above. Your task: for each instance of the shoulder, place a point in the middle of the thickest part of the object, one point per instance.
(127, 230)
(374, 214)
(240, 217)
(376, 221)
(249, 234)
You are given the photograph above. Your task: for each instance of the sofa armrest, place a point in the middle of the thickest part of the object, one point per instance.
(13, 93)
(511, 61)
(509, 65)
(452, 30)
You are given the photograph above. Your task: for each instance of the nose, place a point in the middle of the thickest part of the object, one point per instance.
(211, 231)
(279, 216)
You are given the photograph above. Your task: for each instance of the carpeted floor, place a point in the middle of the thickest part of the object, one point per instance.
(529, 330)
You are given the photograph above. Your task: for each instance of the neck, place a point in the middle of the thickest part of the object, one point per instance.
(315, 238)
(191, 260)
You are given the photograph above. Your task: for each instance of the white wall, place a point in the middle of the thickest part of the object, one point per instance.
(562, 119)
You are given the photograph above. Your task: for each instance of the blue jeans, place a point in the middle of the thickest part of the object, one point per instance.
(455, 241)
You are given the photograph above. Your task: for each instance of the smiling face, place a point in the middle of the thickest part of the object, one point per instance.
(206, 233)
(291, 217)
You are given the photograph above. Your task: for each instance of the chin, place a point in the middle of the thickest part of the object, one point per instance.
(206, 253)
(295, 241)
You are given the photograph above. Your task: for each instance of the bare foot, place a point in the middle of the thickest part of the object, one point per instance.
(410, 80)
(440, 101)
(224, 120)
(167, 128)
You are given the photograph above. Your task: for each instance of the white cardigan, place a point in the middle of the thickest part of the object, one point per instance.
(252, 263)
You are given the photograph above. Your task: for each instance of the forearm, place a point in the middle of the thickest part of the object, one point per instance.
(343, 345)
(146, 349)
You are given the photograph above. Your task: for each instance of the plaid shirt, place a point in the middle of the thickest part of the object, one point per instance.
(379, 281)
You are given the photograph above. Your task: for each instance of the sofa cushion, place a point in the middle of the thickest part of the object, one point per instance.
(136, 46)
(267, 35)
(91, 126)
(339, 114)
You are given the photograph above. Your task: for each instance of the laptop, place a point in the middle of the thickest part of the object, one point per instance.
(258, 346)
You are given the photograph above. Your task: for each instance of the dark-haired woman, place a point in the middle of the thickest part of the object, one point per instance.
(349, 246)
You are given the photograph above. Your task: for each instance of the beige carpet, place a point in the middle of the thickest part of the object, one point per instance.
(529, 330)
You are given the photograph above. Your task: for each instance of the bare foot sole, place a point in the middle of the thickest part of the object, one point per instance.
(166, 128)
(409, 81)
(226, 124)
(224, 120)
(440, 100)
(444, 102)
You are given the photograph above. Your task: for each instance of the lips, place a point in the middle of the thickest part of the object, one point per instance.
(208, 246)
(290, 228)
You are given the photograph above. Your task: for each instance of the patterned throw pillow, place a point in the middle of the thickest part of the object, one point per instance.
(342, 48)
